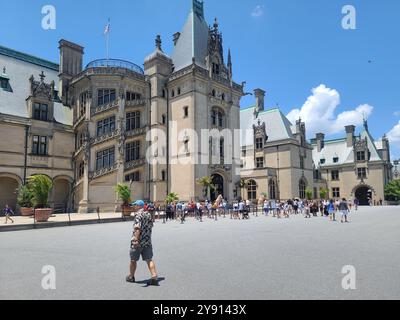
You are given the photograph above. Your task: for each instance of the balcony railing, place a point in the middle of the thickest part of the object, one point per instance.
(105, 137)
(115, 63)
(135, 132)
(105, 107)
(135, 163)
(101, 172)
(135, 103)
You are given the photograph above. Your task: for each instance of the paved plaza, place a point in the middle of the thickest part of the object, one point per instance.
(263, 258)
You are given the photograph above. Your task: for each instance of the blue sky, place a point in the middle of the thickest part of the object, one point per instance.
(286, 47)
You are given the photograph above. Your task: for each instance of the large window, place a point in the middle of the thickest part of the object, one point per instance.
(105, 96)
(132, 151)
(302, 189)
(259, 143)
(39, 146)
(133, 120)
(82, 104)
(252, 190)
(134, 176)
(131, 96)
(335, 175)
(81, 169)
(335, 192)
(105, 126)
(362, 173)
(260, 162)
(105, 158)
(301, 162)
(40, 111)
(217, 118)
(360, 155)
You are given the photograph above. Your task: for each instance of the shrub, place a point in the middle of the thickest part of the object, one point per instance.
(124, 193)
(40, 186)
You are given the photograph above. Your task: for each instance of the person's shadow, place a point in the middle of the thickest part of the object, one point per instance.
(146, 282)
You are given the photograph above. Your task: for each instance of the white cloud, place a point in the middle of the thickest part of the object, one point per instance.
(318, 112)
(258, 11)
(394, 135)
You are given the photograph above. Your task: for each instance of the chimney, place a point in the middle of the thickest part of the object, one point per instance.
(259, 94)
(350, 135)
(320, 138)
(71, 59)
(176, 37)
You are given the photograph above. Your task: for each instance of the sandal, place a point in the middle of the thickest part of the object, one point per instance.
(130, 279)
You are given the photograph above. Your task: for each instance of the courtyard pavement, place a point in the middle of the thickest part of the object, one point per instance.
(263, 258)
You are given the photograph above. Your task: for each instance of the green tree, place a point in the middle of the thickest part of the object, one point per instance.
(124, 193)
(392, 190)
(171, 197)
(309, 194)
(40, 186)
(323, 193)
(206, 183)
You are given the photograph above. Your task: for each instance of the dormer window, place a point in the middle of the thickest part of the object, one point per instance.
(40, 111)
(322, 161)
(335, 159)
(360, 155)
(216, 68)
(4, 81)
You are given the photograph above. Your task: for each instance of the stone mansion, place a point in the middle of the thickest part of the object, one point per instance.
(91, 127)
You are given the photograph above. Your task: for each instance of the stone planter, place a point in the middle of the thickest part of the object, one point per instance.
(42, 215)
(26, 212)
(127, 211)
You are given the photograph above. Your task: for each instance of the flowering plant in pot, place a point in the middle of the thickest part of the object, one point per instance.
(40, 187)
(124, 194)
(24, 201)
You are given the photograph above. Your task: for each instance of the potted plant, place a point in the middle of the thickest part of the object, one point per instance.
(24, 201)
(40, 187)
(323, 193)
(309, 194)
(124, 194)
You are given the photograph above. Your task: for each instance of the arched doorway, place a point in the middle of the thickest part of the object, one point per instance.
(363, 194)
(61, 195)
(8, 192)
(218, 182)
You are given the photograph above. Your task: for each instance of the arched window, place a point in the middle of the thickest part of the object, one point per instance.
(213, 93)
(252, 190)
(217, 117)
(302, 189)
(173, 93)
(223, 97)
(220, 119)
(272, 190)
(179, 91)
(164, 119)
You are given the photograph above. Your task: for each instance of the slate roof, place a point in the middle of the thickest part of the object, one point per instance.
(19, 67)
(338, 148)
(278, 127)
(192, 42)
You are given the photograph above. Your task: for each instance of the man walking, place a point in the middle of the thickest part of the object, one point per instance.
(141, 243)
(344, 209)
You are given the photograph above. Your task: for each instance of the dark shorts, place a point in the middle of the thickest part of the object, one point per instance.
(145, 252)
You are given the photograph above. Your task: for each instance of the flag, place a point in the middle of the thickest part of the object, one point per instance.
(107, 28)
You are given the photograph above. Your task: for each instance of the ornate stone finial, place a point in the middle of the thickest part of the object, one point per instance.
(158, 42)
(216, 24)
(42, 76)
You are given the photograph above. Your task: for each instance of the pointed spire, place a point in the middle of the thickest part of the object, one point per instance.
(365, 121)
(158, 42)
(198, 8)
(216, 25)
(230, 61)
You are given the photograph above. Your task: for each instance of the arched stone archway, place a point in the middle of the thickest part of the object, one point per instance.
(363, 193)
(218, 182)
(9, 185)
(61, 194)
